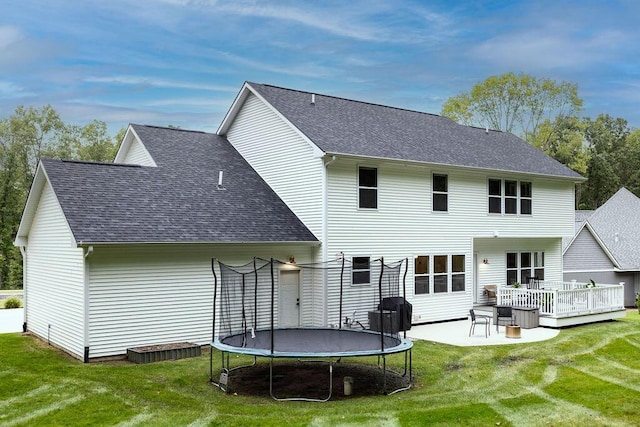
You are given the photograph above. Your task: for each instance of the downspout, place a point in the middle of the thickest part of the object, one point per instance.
(325, 235)
(23, 252)
(88, 251)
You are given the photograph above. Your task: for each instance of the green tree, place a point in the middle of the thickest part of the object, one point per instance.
(516, 103)
(563, 139)
(25, 137)
(614, 159)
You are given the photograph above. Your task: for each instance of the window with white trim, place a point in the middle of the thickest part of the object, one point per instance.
(522, 266)
(510, 197)
(437, 274)
(440, 190)
(360, 270)
(421, 272)
(367, 188)
(457, 273)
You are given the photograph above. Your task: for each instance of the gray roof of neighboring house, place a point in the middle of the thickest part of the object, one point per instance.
(178, 201)
(617, 224)
(580, 217)
(342, 126)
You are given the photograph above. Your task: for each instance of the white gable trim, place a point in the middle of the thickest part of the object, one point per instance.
(33, 200)
(128, 141)
(237, 106)
(598, 241)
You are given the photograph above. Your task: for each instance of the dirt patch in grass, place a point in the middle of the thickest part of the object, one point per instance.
(311, 380)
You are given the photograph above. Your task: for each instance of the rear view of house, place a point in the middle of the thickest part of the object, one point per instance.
(119, 255)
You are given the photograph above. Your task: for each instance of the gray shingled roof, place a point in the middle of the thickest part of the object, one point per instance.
(617, 224)
(178, 201)
(342, 126)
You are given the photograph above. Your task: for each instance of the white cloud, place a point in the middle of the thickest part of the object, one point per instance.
(546, 49)
(10, 90)
(156, 82)
(9, 35)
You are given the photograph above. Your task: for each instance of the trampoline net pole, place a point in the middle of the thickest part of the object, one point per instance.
(213, 317)
(380, 304)
(404, 286)
(273, 286)
(341, 290)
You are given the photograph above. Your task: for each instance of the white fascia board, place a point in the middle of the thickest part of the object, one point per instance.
(33, 200)
(233, 110)
(30, 206)
(417, 163)
(128, 139)
(237, 105)
(312, 243)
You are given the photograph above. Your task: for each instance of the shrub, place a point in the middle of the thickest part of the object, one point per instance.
(13, 302)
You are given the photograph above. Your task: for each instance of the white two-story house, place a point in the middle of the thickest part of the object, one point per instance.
(119, 255)
(468, 206)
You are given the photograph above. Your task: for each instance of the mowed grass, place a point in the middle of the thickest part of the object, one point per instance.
(587, 375)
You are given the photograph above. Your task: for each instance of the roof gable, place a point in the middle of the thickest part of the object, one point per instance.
(132, 150)
(345, 127)
(178, 201)
(617, 225)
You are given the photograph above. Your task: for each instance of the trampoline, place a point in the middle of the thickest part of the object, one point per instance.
(301, 343)
(247, 325)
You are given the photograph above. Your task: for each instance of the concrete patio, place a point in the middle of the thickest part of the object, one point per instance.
(457, 333)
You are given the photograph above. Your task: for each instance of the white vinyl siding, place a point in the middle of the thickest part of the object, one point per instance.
(158, 294)
(282, 158)
(54, 284)
(404, 225)
(138, 155)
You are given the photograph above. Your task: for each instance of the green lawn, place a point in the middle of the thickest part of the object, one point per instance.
(588, 375)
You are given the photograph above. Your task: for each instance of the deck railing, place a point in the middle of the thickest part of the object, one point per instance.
(564, 299)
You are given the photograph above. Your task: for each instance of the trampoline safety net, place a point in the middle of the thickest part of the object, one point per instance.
(246, 297)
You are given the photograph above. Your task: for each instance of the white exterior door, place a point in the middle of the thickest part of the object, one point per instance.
(289, 299)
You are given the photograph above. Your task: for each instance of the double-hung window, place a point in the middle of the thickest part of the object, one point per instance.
(367, 188)
(360, 270)
(437, 274)
(440, 193)
(522, 266)
(495, 196)
(421, 272)
(510, 197)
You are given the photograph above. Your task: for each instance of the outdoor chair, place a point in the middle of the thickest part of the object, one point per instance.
(503, 312)
(482, 319)
(491, 292)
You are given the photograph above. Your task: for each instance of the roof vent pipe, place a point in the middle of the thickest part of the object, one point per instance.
(486, 129)
(220, 187)
(313, 99)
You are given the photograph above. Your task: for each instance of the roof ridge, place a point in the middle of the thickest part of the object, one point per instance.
(172, 128)
(89, 162)
(353, 100)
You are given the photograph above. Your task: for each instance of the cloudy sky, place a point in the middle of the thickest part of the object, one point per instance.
(181, 62)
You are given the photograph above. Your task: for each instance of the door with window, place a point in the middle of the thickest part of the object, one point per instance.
(289, 299)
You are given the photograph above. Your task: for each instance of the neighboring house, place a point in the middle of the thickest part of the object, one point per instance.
(606, 245)
(119, 255)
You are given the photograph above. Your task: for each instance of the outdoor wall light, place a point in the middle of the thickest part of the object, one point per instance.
(485, 261)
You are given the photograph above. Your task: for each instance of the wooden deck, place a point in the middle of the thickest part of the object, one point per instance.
(563, 304)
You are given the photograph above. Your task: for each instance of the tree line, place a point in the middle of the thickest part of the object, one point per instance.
(546, 114)
(543, 112)
(25, 137)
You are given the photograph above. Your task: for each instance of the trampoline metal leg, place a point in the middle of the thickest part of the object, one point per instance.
(408, 386)
(225, 371)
